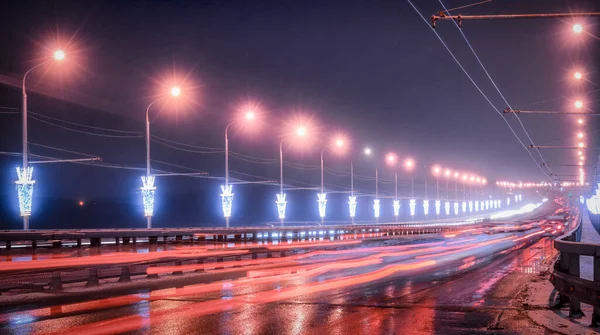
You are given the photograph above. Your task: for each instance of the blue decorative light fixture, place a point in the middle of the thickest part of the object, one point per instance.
(25, 189)
(396, 205)
(322, 201)
(456, 208)
(477, 206)
(352, 205)
(438, 205)
(148, 192)
(470, 206)
(464, 206)
(412, 203)
(426, 207)
(447, 207)
(226, 199)
(281, 204)
(376, 207)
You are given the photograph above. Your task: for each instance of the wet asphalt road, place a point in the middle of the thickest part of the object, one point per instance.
(476, 300)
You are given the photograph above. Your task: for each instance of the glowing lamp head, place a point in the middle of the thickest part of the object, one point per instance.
(580, 121)
(81, 203)
(250, 115)
(484, 181)
(391, 158)
(339, 143)
(578, 104)
(581, 145)
(447, 173)
(436, 170)
(465, 177)
(59, 55)
(456, 174)
(577, 28)
(577, 75)
(301, 131)
(175, 91)
(472, 178)
(409, 164)
(579, 135)
(368, 151)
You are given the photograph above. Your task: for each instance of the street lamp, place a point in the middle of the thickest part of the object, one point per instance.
(25, 173)
(392, 160)
(338, 143)
(580, 135)
(578, 104)
(148, 188)
(436, 170)
(409, 165)
(577, 75)
(300, 131)
(376, 201)
(227, 189)
(577, 28)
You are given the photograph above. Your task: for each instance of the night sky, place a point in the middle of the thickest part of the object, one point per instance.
(373, 70)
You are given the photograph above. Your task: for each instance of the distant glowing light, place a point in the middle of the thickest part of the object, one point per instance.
(175, 91)
(409, 163)
(301, 131)
(581, 145)
(580, 135)
(577, 75)
(376, 207)
(577, 28)
(412, 204)
(352, 205)
(426, 207)
(391, 158)
(322, 201)
(578, 104)
(456, 174)
(59, 55)
(226, 200)
(250, 115)
(368, 151)
(470, 206)
(447, 207)
(281, 204)
(447, 173)
(339, 142)
(481, 204)
(148, 192)
(580, 121)
(81, 203)
(438, 206)
(25, 189)
(436, 170)
(396, 205)
(455, 208)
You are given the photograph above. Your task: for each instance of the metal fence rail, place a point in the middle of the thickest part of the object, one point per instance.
(566, 275)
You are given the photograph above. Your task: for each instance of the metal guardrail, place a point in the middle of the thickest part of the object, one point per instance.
(566, 279)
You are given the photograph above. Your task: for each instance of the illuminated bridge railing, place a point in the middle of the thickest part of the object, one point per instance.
(566, 275)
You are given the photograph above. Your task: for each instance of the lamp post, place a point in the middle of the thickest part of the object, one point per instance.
(227, 189)
(409, 165)
(25, 173)
(322, 197)
(352, 197)
(392, 160)
(148, 188)
(281, 202)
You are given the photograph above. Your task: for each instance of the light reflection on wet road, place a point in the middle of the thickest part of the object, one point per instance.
(458, 286)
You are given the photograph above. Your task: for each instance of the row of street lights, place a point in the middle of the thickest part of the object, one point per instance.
(25, 181)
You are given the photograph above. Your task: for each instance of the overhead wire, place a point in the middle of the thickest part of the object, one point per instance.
(498, 89)
(479, 89)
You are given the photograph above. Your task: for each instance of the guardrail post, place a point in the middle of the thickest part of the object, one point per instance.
(93, 280)
(56, 283)
(596, 314)
(572, 261)
(153, 275)
(125, 276)
(178, 272)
